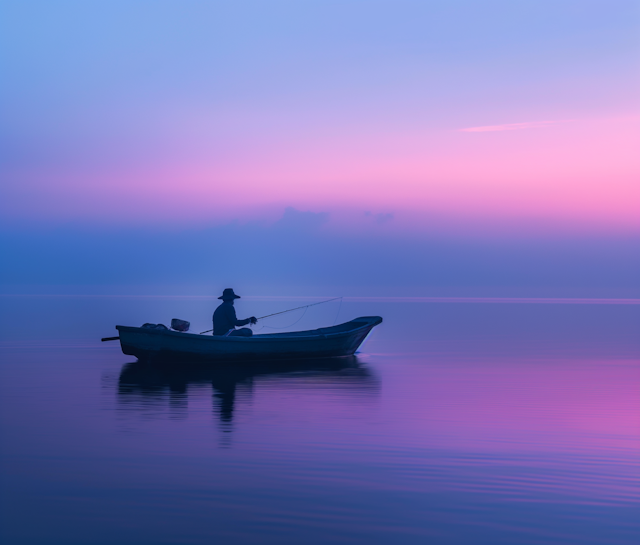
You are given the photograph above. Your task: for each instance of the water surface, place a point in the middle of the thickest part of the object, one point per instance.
(458, 422)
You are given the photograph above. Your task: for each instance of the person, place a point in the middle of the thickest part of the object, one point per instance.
(225, 320)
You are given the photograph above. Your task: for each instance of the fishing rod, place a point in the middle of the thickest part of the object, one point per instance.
(298, 308)
(285, 311)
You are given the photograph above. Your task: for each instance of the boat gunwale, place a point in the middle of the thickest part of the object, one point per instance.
(371, 321)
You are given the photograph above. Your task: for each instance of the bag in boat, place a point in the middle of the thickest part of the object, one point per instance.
(155, 326)
(180, 325)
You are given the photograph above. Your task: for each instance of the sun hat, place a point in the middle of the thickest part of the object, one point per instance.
(228, 295)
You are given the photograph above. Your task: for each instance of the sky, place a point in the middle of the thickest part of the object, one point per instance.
(322, 147)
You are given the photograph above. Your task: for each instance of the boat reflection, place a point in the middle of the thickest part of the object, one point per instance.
(142, 384)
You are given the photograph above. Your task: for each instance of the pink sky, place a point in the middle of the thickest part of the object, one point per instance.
(577, 175)
(451, 118)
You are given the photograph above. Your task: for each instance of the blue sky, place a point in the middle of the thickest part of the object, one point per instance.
(498, 141)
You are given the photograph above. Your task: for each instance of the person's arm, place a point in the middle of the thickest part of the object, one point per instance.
(239, 323)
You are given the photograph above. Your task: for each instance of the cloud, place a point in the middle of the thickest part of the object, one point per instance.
(511, 126)
(296, 220)
(379, 218)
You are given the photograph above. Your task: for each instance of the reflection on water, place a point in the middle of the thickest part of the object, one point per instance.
(142, 384)
(460, 423)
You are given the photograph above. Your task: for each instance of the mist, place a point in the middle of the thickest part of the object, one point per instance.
(299, 255)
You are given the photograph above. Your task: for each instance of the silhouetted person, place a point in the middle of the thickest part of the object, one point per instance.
(225, 320)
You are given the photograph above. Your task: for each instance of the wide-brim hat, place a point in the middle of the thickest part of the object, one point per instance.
(228, 295)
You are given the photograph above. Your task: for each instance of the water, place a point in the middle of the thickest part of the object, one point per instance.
(458, 423)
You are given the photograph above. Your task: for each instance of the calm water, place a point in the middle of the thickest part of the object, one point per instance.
(458, 423)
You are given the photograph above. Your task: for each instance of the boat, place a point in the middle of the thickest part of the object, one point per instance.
(327, 342)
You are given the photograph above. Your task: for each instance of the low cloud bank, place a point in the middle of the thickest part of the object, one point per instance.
(296, 255)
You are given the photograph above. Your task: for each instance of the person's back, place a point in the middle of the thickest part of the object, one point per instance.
(225, 319)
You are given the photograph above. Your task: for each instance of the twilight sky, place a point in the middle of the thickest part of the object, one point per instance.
(478, 143)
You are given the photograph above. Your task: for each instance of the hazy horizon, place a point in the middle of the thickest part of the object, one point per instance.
(302, 254)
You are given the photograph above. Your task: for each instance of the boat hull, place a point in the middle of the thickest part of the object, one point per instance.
(337, 341)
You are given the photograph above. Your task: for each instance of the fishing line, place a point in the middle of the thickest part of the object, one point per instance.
(338, 313)
(290, 325)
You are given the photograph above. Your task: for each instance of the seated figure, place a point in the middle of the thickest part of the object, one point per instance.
(225, 320)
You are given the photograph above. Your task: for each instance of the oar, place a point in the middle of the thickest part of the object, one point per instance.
(284, 311)
(110, 339)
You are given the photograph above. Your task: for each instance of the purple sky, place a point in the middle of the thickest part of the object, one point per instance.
(448, 146)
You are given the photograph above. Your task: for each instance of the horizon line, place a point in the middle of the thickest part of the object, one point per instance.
(374, 298)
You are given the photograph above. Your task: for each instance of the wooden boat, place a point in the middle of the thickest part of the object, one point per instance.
(326, 342)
